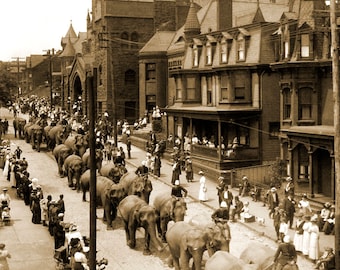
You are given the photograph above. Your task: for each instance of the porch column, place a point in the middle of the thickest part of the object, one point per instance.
(219, 140)
(310, 171)
(290, 163)
(332, 175)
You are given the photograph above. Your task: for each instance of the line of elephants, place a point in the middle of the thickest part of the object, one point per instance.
(125, 194)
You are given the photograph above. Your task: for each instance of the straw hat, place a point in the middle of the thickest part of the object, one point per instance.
(223, 204)
(176, 182)
(201, 172)
(286, 239)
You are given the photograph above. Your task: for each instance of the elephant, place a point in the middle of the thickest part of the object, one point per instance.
(58, 135)
(60, 153)
(109, 195)
(168, 208)
(188, 241)
(78, 143)
(18, 125)
(113, 171)
(85, 182)
(257, 253)
(137, 185)
(37, 137)
(87, 161)
(136, 213)
(73, 166)
(222, 260)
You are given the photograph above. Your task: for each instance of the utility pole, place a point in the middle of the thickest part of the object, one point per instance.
(336, 96)
(50, 53)
(18, 73)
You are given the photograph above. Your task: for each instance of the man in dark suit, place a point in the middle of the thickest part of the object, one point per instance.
(288, 206)
(273, 201)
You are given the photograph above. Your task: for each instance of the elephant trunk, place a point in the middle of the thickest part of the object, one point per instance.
(154, 239)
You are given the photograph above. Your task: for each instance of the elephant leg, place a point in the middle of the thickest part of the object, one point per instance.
(184, 260)
(147, 244)
(132, 236)
(164, 224)
(70, 179)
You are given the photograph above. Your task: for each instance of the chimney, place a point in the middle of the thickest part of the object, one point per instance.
(224, 14)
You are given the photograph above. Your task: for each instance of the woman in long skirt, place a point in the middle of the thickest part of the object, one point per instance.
(6, 167)
(202, 195)
(314, 239)
(298, 236)
(12, 180)
(306, 236)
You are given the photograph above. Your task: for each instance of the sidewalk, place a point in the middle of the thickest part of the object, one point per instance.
(256, 208)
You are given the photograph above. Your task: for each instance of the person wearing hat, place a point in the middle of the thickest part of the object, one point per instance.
(324, 215)
(4, 254)
(328, 228)
(327, 260)
(5, 199)
(288, 205)
(285, 254)
(189, 173)
(244, 187)
(202, 194)
(298, 235)
(313, 252)
(143, 169)
(177, 193)
(289, 188)
(273, 201)
(220, 189)
(304, 205)
(221, 216)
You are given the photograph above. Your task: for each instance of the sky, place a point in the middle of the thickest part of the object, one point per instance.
(33, 26)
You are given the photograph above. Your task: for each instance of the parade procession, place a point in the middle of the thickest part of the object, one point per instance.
(170, 134)
(187, 222)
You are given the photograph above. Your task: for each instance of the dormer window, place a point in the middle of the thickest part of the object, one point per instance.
(286, 39)
(208, 53)
(195, 54)
(241, 44)
(196, 50)
(241, 47)
(224, 51)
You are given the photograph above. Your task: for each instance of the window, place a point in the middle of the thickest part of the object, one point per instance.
(150, 71)
(305, 103)
(224, 86)
(305, 45)
(209, 90)
(303, 163)
(224, 52)
(208, 53)
(195, 52)
(286, 42)
(191, 88)
(178, 83)
(241, 49)
(286, 103)
(239, 86)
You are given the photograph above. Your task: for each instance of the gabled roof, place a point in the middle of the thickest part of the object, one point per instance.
(258, 16)
(159, 42)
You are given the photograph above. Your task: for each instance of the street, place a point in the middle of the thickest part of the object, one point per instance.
(32, 246)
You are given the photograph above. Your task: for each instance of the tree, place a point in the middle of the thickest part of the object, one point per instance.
(7, 82)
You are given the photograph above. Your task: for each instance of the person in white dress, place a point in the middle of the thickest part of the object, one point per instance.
(6, 167)
(298, 235)
(314, 239)
(202, 195)
(306, 235)
(304, 206)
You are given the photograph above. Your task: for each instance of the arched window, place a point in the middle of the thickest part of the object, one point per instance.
(134, 39)
(125, 36)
